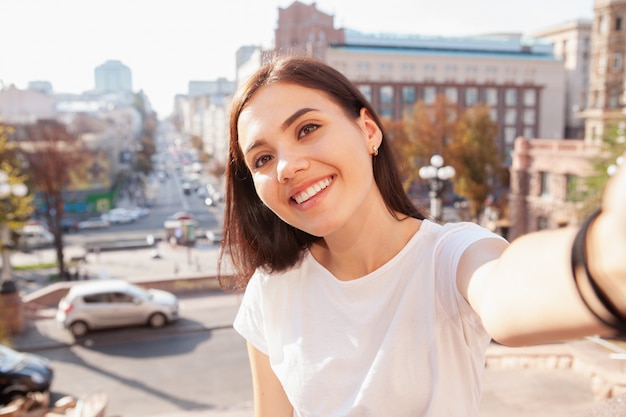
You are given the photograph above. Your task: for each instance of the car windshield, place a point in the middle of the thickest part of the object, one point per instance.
(9, 359)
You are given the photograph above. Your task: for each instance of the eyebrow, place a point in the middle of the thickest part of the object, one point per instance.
(297, 114)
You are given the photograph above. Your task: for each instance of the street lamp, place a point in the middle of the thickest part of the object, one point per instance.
(437, 175)
(6, 191)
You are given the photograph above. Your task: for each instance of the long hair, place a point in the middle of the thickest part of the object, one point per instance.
(255, 237)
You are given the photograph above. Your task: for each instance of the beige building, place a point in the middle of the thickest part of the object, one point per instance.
(572, 44)
(522, 83)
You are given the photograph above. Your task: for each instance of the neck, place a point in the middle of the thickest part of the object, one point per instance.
(365, 246)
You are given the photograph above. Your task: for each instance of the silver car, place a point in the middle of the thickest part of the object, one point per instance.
(111, 303)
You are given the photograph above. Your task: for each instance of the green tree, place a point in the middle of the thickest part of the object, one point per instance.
(587, 190)
(474, 154)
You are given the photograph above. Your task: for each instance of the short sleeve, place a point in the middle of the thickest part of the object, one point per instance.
(249, 321)
(452, 242)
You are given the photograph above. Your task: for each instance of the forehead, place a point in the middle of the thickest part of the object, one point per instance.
(271, 105)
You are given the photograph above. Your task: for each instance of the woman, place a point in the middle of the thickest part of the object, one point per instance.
(355, 304)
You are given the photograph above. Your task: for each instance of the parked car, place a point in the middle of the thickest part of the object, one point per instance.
(119, 216)
(35, 236)
(69, 225)
(21, 373)
(94, 223)
(111, 303)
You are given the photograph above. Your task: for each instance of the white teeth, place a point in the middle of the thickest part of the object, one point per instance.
(311, 191)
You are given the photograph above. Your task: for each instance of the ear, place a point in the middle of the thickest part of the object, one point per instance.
(374, 136)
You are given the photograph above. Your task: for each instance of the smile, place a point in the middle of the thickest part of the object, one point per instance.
(311, 191)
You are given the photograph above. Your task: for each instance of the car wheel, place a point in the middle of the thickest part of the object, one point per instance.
(157, 320)
(79, 328)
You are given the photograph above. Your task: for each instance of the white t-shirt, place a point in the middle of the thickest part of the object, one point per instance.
(400, 341)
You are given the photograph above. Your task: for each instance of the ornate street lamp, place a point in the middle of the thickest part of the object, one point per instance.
(437, 175)
(7, 190)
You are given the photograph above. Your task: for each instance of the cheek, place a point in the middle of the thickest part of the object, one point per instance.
(266, 190)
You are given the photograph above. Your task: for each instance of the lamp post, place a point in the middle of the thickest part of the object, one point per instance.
(437, 175)
(7, 190)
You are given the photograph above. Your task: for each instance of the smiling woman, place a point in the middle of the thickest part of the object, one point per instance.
(346, 281)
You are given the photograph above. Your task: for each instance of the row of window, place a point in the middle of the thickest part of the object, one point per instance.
(469, 96)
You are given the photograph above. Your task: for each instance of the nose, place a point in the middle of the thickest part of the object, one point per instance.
(289, 164)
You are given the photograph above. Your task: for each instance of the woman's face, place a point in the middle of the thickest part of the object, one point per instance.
(311, 163)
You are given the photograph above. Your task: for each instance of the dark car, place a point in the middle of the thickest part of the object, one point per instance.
(21, 373)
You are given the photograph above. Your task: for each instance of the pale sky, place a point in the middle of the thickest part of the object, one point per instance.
(167, 43)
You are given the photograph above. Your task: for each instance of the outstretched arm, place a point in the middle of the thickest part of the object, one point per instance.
(526, 294)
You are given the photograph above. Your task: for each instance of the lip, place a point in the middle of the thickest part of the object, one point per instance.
(314, 188)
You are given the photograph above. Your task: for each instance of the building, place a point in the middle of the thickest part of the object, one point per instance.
(520, 80)
(113, 76)
(303, 28)
(572, 44)
(606, 80)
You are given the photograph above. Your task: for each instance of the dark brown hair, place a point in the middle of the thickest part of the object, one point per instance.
(255, 237)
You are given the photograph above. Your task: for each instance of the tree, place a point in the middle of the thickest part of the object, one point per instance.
(474, 154)
(14, 209)
(428, 130)
(588, 190)
(50, 152)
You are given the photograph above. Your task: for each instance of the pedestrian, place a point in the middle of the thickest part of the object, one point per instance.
(355, 304)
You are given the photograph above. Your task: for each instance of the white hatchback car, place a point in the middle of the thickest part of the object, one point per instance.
(110, 303)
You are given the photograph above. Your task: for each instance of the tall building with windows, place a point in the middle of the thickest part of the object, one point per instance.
(607, 78)
(113, 77)
(519, 79)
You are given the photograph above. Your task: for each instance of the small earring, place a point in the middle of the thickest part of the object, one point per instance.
(375, 148)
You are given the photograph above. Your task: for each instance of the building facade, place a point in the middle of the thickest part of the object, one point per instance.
(607, 76)
(522, 83)
(572, 44)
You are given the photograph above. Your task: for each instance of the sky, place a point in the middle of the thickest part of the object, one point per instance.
(167, 43)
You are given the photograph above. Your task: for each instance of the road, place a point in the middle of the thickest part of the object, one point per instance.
(148, 372)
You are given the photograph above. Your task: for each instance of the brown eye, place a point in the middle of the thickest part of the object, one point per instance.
(308, 128)
(261, 161)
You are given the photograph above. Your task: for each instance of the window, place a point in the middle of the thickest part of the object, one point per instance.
(120, 297)
(618, 22)
(429, 95)
(386, 113)
(471, 96)
(617, 62)
(493, 114)
(542, 223)
(603, 24)
(386, 67)
(544, 178)
(452, 94)
(366, 90)
(510, 133)
(408, 94)
(602, 62)
(530, 97)
(529, 132)
(510, 97)
(614, 98)
(97, 298)
(529, 116)
(510, 117)
(386, 94)
(491, 96)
